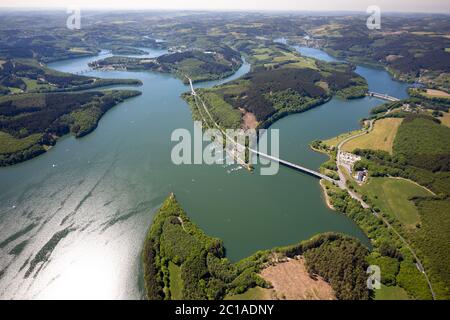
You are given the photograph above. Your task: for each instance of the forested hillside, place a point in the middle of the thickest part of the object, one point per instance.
(281, 82)
(31, 123)
(424, 143)
(182, 262)
(200, 65)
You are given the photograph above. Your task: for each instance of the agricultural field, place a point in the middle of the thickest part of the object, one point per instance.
(292, 281)
(392, 196)
(445, 119)
(391, 293)
(433, 93)
(399, 48)
(333, 142)
(256, 293)
(420, 154)
(380, 138)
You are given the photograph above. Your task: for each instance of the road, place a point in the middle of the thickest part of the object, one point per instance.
(341, 183)
(354, 195)
(257, 152)
(382, 96)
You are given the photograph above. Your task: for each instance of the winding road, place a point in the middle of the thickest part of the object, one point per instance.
(354, 195)
(341, 183)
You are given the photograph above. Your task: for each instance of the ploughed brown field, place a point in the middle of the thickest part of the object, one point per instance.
(291, 281)
(437, 93)
(249, 120)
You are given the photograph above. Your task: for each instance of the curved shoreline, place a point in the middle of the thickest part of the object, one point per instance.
(325, 196)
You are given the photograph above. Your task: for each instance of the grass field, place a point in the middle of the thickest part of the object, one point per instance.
(79, 50)
(296, 61)
(9, 144)
(446, 119)
(391, 293)
(333, 142)
(176, 283)
(391, 196)
(437, 94)
(34, 85)
(223, 113)
(256, 293)
(380, 138)
(432, 93)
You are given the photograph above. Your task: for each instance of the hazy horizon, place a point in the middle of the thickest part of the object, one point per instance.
(433, 6)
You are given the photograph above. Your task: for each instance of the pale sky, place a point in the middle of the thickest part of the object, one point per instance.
(301, 5)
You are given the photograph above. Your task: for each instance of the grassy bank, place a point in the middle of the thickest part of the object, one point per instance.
(380, 138)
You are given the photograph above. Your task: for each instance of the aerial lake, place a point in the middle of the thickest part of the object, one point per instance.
(85, 205)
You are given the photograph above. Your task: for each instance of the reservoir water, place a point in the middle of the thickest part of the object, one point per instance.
(72, 221)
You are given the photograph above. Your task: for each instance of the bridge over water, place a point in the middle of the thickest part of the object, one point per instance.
(294, 166)
(288, 164)
(382, 96)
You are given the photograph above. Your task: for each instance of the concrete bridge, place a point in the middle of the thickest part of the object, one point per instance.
(288, 164)
(382, 96)
(294, 166)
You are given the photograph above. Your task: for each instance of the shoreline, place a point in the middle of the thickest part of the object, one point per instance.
(35, 150)
(326, 198)
(325, 195)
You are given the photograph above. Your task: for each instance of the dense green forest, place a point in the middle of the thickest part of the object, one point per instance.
(424, 143)
(181, 261)
(30, 123)
(431, 239)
